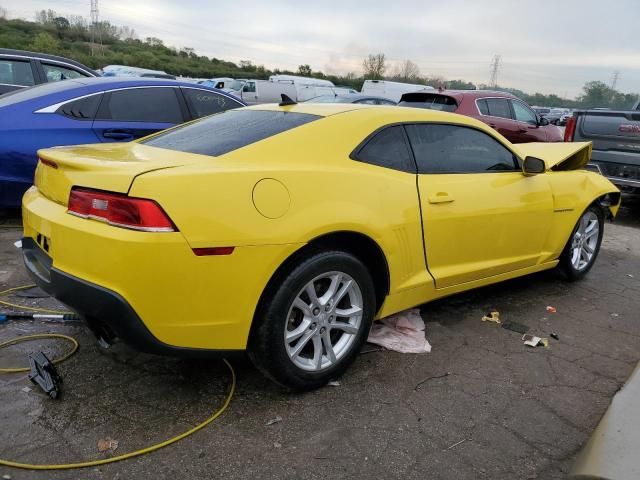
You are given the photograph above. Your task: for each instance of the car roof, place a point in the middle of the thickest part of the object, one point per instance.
(458, 94)
(43, 56)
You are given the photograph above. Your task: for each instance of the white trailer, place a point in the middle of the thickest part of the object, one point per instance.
(301, 81)
(391, 90)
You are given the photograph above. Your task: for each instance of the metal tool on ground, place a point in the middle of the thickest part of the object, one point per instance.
(4, 316)
(44, 374)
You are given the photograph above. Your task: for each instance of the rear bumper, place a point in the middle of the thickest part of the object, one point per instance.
(94, 303)
(148, 288)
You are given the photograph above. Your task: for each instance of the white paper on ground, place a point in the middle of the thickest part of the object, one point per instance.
(402, 332)
(18, 244)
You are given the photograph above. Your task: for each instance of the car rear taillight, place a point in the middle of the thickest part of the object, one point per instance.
(570, 129)
(119, 210)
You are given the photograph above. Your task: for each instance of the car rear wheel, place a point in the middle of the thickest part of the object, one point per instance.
(584, 244)
(315, 322)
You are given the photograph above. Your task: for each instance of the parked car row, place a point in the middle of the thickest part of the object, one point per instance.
(92, 110)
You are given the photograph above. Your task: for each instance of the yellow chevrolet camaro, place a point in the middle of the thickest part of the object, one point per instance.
(284, 230)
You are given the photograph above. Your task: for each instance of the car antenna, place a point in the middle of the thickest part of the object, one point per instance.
(286, 100)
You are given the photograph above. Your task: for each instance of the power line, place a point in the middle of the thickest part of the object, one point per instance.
(496, 63)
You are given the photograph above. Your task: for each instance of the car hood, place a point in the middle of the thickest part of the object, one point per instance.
(558, 155)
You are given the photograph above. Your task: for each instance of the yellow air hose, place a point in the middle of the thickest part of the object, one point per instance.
(104, 461)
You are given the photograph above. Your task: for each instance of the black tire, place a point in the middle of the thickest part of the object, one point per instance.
(566, 265)
(267, 348)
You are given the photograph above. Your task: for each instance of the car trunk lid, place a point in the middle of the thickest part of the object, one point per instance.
(110, 167)
(558, 155)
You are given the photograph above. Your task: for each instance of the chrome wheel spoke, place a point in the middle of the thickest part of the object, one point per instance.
(317, 352)
(313, 296)
(328, 347)
(585, 241)
(301, 344)
(298, 332)
(331, 291)
(348, 312)
(342, 292)
(302, 306)
(345, 327)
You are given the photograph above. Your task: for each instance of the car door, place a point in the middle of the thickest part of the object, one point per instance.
(203, 102)
(134, 112)
(16, 73)
(528, 128)
(496, 112)
(481, 216)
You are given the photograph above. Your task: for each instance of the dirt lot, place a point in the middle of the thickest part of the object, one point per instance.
(480, 405)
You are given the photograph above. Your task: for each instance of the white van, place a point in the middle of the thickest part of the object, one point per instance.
(264, 91)
(391, 90)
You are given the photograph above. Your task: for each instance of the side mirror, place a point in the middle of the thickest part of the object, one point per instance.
(543, 121)
(533, 166)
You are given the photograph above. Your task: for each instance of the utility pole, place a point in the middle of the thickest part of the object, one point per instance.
(496, 63)
(95, 18)
(614, 79)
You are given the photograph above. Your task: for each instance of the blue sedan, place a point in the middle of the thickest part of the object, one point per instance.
(91, 110)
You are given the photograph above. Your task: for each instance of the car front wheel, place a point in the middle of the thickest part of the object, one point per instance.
(315, 321)
(583, 246)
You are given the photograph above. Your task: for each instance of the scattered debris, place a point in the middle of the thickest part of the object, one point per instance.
(615, 315)
(630, 275)
(515, 327)
(18, 244)
(25, 389)
(402, 332)
(551, 309)
(554, 336)
(6, 476)
(107, 445)
(493, 317)
(415, 389)
(277, 445)
(458, 443)
(334, 383)
(274, 421)
(533, 341)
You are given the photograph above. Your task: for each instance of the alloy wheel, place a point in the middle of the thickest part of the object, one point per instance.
(585, 241)
(323, 321)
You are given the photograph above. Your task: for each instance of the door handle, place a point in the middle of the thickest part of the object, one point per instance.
(523, 130)
(492, 125)
(118, 134)
(441, 197)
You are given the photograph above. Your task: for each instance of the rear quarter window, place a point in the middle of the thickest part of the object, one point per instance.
(228, 131)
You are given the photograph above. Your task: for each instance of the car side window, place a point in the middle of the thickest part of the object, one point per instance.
(82, 108)
(16, 72)
(387, 148)
(482, 106)
(55, 73)
(203, 102)
(249, 87)
(523, 113)
(498, 107)
(154, 105)
(458, 149)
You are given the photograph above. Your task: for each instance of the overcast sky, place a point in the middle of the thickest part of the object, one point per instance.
(550, 46)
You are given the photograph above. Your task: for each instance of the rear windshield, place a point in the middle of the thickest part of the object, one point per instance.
(228, 131)
(432, 101)
(24, 94)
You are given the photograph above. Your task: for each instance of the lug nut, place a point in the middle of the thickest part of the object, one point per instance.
(316, 311)
(322, 330)
(327, 307)
(312, 326)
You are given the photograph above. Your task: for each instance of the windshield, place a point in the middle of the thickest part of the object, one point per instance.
(235, 85)
(228, 131)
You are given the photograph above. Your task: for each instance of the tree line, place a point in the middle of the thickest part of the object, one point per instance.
(107, 44)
